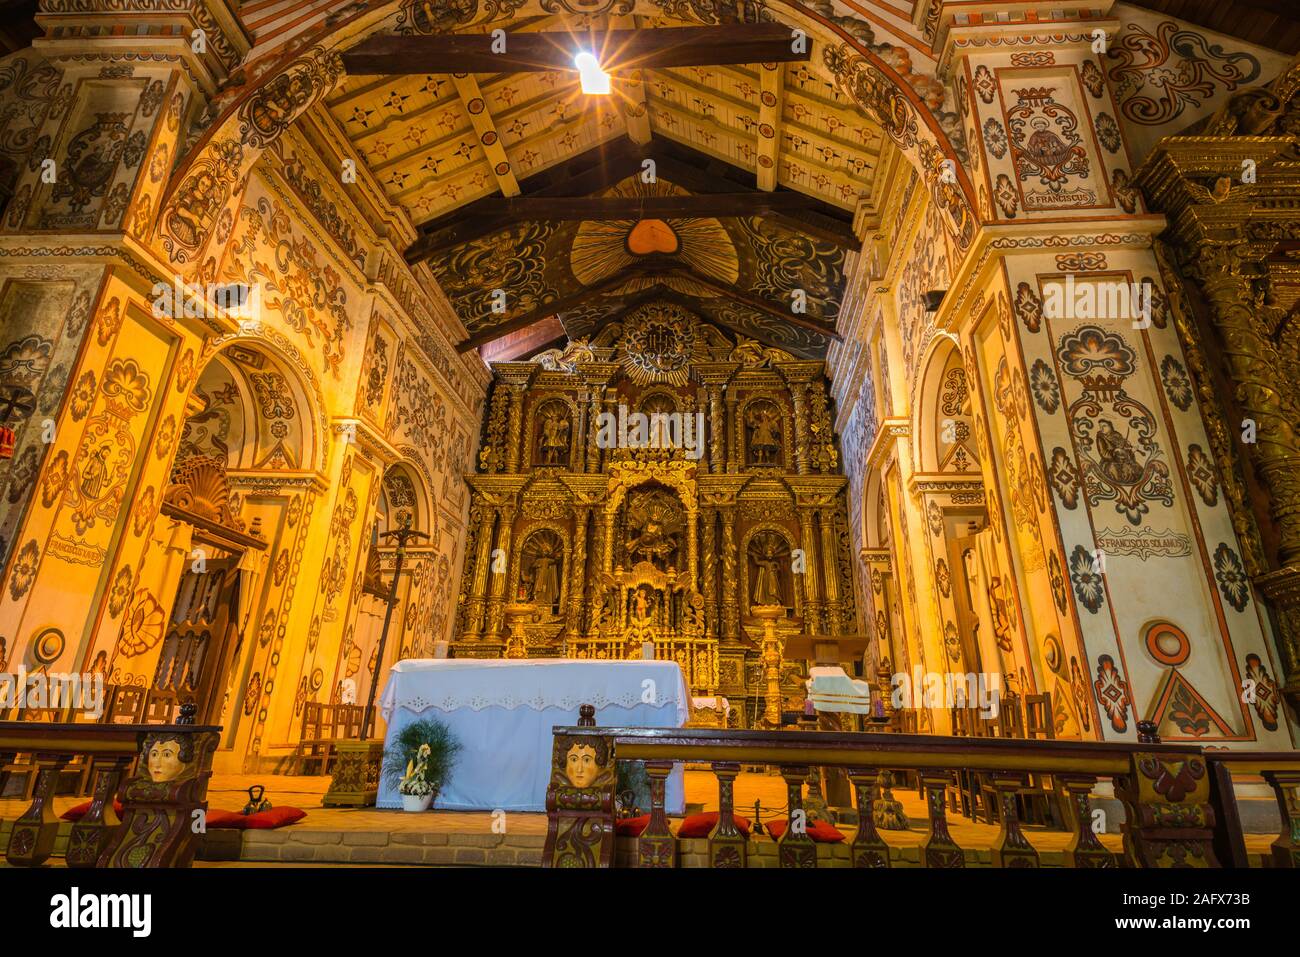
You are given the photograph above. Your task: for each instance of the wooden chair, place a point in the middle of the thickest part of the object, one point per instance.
(125, 705)
(323, 725)
(160, 707)
(1011, 719)
(1039, 722)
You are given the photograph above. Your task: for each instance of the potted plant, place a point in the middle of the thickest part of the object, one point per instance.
(418, 762)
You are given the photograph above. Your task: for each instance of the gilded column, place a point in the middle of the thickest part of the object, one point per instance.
(578, 572)
(799, 393)
(717, 431)
(593, 430)
(830, 571)
(812, 606)
(710, 582)
(500, 572)
(1257, 390)
(516, 429)
(733, 426)
(730, 605)
(611, 407)
(486, 515)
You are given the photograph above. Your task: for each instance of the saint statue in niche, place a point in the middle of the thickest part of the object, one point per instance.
(767, 584)
(554, 444)
(655, 525)
(542, 556)
(764, 424)
(1118, 460)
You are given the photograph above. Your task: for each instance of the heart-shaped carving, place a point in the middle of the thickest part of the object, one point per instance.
(652, 236)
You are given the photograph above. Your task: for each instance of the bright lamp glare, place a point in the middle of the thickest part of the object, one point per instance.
(590, 75)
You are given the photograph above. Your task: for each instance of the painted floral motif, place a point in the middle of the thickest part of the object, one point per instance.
(951, 643)
(943, 578)
(985, 85)
(1085, 576)
(83, 394)
(1108, 133)
(24, 568)
(935, 517)
(1043, 384)
(1231, 576)
(1204, 478)
(143, 628)
(1263, 691)
(1093, 81)
(1125, 192)
(121, 591)
(1112, 693)
(1028, 307)
(1064, 478)
(1158, 75)
(1005, 194)
(1090, 350)
(1176, 382)
(1057, 578)
(995, 138)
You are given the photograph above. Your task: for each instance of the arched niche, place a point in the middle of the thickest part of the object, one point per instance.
(769, 576)
(250, 409)
(766, 430)
(553, 433)
(944, 422)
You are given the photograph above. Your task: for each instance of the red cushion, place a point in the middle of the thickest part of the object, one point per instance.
(631, 826)
(276, 817)
(699, 825)
(231, 819)
(819, 831)
(81, 810)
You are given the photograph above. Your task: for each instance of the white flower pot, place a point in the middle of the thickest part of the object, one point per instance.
(416, 802)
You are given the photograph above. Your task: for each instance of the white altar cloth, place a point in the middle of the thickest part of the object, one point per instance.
(502, 711)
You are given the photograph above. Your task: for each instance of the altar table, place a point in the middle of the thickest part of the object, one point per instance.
(502, 712)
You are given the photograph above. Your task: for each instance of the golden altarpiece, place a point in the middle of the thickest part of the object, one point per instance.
(590, 539)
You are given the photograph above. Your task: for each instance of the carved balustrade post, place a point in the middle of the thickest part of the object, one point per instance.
(1083, 850)
(580, 809)
(795, 848)
(727, 846)
(1169, 817)
(939, 849)
(656, 846)
(1286, 785)
(1010, 848)
(868, 848)
(31, 841)
(89, 836)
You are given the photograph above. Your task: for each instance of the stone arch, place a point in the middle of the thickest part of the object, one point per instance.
(281, 88)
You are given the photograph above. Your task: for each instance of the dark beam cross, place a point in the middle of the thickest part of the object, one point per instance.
(548, 52)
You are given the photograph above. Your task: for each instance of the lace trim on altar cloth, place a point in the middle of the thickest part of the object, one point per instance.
(541, 702)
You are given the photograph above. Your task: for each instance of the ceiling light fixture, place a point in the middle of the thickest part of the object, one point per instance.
(590, 75)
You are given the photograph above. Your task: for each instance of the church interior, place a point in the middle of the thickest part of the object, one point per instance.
(650, 433)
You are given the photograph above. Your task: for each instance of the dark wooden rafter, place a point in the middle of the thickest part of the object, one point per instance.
(720, 190)
(523, 320)
(617, 50)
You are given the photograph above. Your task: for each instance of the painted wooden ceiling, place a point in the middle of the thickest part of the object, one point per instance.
(437, 142)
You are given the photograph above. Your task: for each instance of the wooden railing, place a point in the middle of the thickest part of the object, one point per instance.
(159, 798)
(1174, 816)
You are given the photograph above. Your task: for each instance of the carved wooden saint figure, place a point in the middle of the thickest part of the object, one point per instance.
(167, 756)
(764, 424)
(543, 556)
(553, 446)
(765, 553)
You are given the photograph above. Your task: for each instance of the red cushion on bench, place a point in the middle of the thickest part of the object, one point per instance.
(81, 810)
(631, 826)
(699, 825)
(227, 819)
(276, 817)
(819, 831)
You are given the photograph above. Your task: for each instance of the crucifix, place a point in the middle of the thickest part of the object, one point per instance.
(402, 534)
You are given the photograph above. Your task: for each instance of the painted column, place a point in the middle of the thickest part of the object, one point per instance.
(812, 604)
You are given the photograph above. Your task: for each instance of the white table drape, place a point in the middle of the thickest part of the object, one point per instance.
(503, 711)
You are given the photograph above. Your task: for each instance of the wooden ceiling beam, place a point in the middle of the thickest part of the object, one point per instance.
(771, 97)
(493, 213)
(471, 98)
(629, 90)
(617, 50)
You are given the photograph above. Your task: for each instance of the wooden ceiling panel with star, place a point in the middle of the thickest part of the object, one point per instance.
(439, 144)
